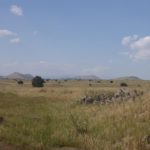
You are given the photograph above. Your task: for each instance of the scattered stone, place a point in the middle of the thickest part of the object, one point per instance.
(87, 100)
(122, 94)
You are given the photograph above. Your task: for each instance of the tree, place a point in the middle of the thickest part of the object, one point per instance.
(38, 81)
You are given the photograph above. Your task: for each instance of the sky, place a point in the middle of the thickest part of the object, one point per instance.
(64, 38)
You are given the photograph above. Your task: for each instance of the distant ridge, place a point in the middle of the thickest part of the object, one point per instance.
(1, 77)
(128, 78)
(17, 75)
(87, 77)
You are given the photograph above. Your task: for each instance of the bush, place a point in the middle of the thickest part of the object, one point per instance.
(111, 81)
(38, 82)
(123, 84)
(20, 82)
(90, 85)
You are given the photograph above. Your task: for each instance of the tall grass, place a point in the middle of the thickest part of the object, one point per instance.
(44, 120)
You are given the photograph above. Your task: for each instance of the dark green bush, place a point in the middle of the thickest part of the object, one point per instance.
(111, 81)
(123, 84)
(20, 82)
(38, 81)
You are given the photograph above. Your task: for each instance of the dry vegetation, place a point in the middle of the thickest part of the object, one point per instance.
(52, 118)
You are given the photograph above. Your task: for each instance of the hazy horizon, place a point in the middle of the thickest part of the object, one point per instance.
(56, 38)
(77, 76)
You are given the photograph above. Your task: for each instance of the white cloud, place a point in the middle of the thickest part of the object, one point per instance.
(139, 48)
(9, 34)
(141, 43)
(16, 10)
(129, 39)
(15, 40)
(5, 33)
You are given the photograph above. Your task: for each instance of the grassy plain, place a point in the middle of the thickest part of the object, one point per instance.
(51, 118)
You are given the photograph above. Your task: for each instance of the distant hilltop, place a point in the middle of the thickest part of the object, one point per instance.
(128, 78)
(93, 77)
(17, 75)
(20, 76)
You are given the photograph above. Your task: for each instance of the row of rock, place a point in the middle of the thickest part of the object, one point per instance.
(122, 94)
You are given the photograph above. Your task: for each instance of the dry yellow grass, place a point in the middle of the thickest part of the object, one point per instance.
(48, 117)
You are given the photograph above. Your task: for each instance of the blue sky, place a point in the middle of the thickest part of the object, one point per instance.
(56, 38)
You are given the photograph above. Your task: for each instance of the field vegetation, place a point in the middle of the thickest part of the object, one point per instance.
(52, 118)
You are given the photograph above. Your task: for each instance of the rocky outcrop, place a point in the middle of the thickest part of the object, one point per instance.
(122, 94)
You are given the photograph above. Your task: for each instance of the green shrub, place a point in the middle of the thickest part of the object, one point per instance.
(90, 85)
(38, 82)
(111, 81)
(20, 82)
(123, 84)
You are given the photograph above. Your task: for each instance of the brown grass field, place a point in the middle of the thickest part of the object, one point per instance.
(51, 118)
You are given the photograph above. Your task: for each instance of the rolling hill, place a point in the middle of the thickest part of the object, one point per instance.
(21, 76)
(128, 78)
